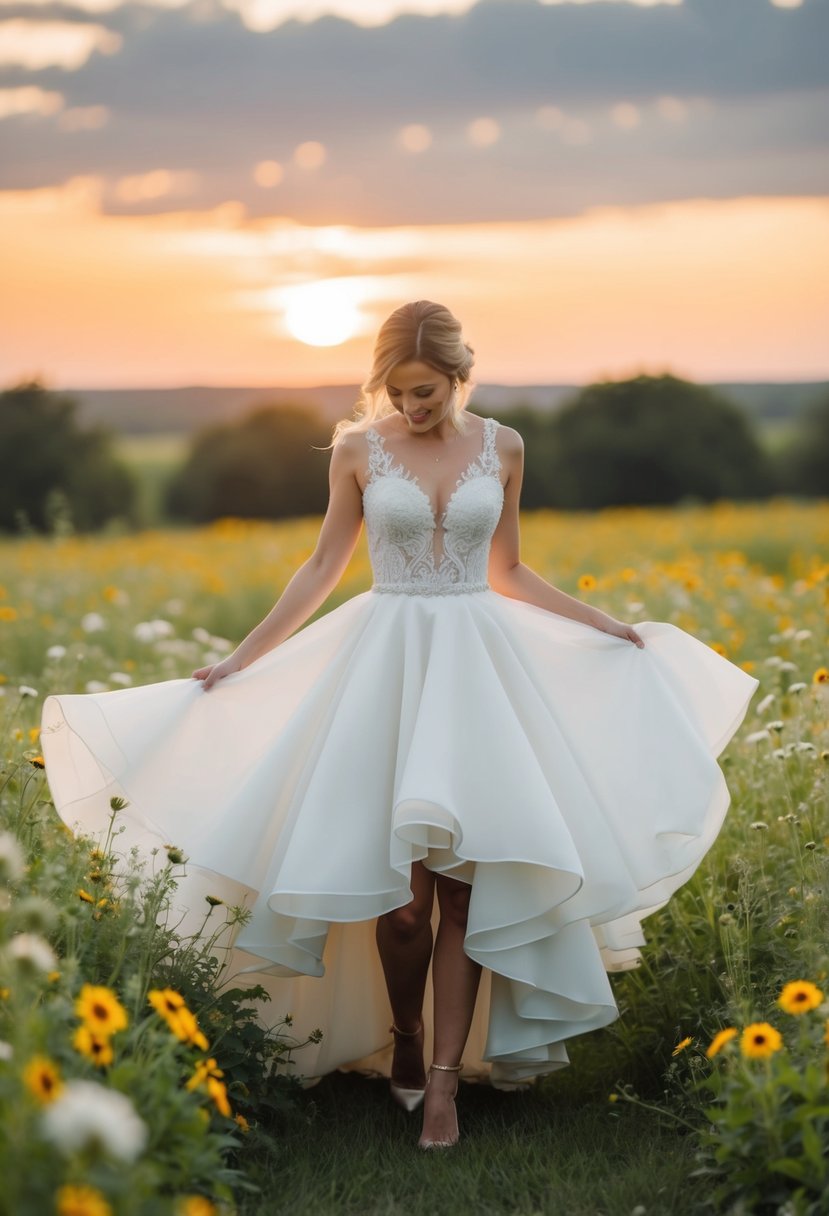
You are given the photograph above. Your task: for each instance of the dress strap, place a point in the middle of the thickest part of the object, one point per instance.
(379, 460)
(490, 461)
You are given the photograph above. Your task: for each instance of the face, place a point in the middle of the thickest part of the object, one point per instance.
(421, 394)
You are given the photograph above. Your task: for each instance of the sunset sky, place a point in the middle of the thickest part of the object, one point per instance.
(239, 191)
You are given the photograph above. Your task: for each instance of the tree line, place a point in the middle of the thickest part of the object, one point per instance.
(649, 440)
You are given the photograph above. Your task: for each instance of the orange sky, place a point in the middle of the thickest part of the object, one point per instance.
(712, 290)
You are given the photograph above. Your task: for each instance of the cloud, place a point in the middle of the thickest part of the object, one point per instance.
(531, 109)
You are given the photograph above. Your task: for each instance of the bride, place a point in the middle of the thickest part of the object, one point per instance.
(464, 730)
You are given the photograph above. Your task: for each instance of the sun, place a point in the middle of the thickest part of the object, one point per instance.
(324, 313)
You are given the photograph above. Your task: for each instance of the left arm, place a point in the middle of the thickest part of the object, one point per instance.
(507, 573)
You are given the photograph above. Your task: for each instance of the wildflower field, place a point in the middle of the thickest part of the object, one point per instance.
(134, 1083)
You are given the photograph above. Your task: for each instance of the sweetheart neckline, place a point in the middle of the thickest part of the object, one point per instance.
(415, 480)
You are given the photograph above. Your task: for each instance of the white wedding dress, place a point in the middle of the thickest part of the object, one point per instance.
(568, 775)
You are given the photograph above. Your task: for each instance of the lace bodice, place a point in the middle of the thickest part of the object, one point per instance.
(411, 550)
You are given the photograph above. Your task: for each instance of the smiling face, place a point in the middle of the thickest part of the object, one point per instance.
(420, 394)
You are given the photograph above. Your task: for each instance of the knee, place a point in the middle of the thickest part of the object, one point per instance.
(408, 922)
(454, 903)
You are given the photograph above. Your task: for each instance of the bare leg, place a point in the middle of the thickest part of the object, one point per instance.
(455, 978)
(404, 940)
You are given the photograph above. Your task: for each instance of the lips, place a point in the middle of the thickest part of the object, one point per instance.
(419, 417)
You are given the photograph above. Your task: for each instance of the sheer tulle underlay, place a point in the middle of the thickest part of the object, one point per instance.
(569, 776)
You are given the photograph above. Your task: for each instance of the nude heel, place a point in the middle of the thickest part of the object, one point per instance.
(443, 1143)
(409, 1099)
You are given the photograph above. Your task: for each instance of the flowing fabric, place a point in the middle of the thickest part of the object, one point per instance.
(567, 775)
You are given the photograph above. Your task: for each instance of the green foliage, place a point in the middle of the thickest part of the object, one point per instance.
(804, 463)
(653, 440)
(74, 912)
(55, 474)
(263, 467)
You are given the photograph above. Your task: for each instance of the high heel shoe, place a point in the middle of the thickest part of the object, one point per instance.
(456, 1135)
(409, 1099)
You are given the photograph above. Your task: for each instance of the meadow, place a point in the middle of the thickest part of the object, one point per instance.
(132, 1084)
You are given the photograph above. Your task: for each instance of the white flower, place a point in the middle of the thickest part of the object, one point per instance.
(803, 746)
(120, 677)
(773, 660)
(6, 1051)
(802, 635)
(32, 951)
(26, 691)
(221, 644)
(56, 652)
(93, 622)
(175, 607)
(86, 1115)
(148, 631)
(787, 666)
(201, 635)
(759, 826)
(763, 705)
(96, 686)
(796, 687)
(634, 606)
(758, 736)
(11, 858)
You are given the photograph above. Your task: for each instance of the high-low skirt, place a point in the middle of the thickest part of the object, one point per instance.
(569, 776)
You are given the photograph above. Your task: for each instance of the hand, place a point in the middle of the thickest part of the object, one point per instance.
(618, 629)
(217, 671)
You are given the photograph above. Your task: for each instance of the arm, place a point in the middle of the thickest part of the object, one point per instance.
(507, 573)
(316, 578)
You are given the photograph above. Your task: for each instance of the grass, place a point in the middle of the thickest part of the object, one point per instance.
(353, 1153)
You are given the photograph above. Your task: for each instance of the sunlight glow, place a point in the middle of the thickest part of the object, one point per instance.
(324, 313)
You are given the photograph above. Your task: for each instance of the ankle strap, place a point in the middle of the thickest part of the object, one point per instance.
(409, 1034)
(448, 1067)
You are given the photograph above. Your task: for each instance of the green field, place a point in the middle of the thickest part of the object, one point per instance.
(750, 580)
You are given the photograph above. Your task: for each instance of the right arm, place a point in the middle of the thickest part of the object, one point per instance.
(316, 578)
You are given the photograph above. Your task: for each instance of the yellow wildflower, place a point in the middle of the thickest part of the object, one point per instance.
(719, 1041)
(587, 582)
(96, 1047)
(170, 1005)
(101, 1010)
(799, 997)
(681, 1046)
(759, 1041)
(85, 896)
(209, 1074)
(821, 676)
(195, 1205)
(81, 1201)
(242, 1121)
(42, 1079)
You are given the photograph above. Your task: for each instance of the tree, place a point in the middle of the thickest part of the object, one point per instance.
(653, 440)
(47, 456)
(805, 462)
(262, 467)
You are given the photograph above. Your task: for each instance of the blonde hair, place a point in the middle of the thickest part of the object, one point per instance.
(423, 331)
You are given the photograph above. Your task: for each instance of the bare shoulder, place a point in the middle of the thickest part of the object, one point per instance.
(508, 442)
(349, 452)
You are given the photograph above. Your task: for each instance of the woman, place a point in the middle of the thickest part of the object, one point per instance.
(463, 729)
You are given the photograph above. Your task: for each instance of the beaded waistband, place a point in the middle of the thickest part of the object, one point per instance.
(427, 589)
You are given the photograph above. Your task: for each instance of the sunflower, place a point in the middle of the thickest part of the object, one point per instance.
(799, 997)
(42, 1079)
(96, 1047)
(821, 676)
(100, 1009)
(587, 582)
(759, 1041)
(719, 1041)
(81, 1201)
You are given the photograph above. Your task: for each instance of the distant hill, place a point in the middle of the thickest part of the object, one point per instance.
(135, 411)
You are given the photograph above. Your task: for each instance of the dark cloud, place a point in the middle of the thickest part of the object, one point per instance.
(194, 89)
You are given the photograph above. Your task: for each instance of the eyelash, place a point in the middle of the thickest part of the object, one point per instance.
(421, 396)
